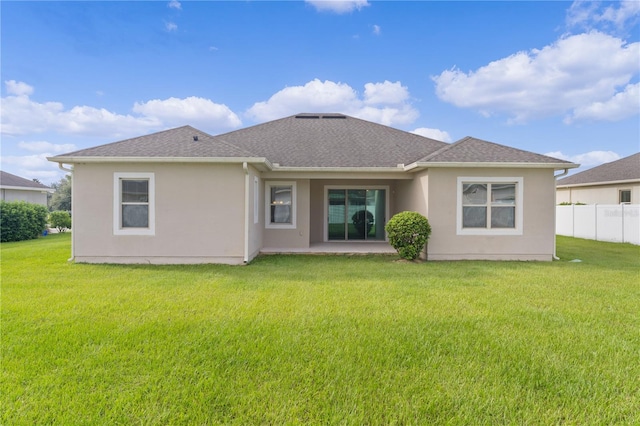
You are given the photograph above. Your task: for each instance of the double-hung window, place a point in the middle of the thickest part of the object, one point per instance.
(489, 206)
(280, 198)
(134, 204)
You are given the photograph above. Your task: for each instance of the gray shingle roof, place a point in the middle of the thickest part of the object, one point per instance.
(178, 142)
(7, 179)
(331, 140)
(627, 168)
(472, 150)
(314, 140)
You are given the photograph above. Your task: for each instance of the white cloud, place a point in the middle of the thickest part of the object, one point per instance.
(620, 106)
(385, 93)
(587, 159)
(385, 103)
(436, 134)
(22, 115)
(43, 146)
(18, 88)
(591, 14)
(32, 166)
(574, 72)
(170, 26)
(194, 110)
(174, 4)
(337, 6)
(377, 30)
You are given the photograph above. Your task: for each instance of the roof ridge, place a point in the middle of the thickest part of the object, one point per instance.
(443, 149)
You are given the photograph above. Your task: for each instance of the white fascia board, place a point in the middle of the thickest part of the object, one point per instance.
(83, 159)
(339, 169)
(492, 165)
(28, 188)
(611, 182)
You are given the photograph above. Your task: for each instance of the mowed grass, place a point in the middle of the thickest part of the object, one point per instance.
(321, 340)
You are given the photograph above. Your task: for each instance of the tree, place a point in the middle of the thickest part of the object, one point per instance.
(61, 199)
(60, 220)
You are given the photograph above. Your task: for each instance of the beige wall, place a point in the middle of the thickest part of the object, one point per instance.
(299, 236)
(35, 197)
(538, 236)
(255, 229)
(597, 194)
(199, 215)
(412, 194)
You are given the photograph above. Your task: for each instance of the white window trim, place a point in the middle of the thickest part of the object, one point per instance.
(489, 231)
(267, 205)
(117, 201)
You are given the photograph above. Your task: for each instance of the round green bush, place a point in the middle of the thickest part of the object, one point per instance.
(408, 233)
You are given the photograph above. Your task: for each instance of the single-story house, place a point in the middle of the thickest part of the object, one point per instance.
(616, 182)
(16, 188)
(306, 183)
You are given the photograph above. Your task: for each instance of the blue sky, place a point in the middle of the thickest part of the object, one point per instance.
(557, 78)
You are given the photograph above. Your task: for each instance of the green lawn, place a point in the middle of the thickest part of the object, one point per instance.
(321, 340)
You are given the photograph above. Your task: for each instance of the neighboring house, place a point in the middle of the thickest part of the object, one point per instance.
(15, 188)
(309, 182)
(611, 183)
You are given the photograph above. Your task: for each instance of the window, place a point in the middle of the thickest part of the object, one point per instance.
(489, 206)
(280, 198)
(625, 196)
(134, 204)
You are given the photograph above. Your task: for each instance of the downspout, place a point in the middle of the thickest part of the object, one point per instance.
(73, 198)
(246, 212)
(555, 213)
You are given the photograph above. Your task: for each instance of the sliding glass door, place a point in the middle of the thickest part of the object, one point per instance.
(356, 214)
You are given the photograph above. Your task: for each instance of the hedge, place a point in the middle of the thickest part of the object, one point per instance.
(20, 220)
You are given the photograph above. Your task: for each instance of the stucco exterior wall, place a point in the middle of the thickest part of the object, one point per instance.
(199, 211)
(537, 241)
(256, 212)
(412, 194)
(299, 236)
(597, 194)
(35, 197)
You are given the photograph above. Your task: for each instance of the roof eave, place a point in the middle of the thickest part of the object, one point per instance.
(397, 169)
(62, 159)
(610, 182)
(28, 188)
(500, 165)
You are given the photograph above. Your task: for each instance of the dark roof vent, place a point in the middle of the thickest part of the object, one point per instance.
(195, 138)
(307, 116)
(334, 116)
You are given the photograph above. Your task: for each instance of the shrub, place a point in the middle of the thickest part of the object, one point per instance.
(60, 220)
(408, 233)
(20, 220)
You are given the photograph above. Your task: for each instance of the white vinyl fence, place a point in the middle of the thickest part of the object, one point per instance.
(619, 223)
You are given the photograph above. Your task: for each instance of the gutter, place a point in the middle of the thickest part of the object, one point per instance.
(245, 167)
(73, 198)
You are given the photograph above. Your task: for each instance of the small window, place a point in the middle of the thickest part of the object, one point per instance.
(281, 201)
(134, 204)
(625, 196)
(489, 206)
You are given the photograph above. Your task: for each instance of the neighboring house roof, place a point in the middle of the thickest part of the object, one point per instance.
(318, 141)
(9, 181)
(625, 169)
